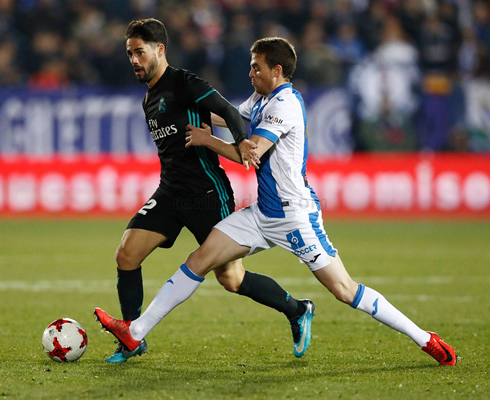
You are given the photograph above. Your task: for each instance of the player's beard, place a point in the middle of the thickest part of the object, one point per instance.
(150, 70)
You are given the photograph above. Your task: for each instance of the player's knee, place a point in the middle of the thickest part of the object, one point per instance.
(230, 283)
(198, 262)
(125, 260)
(342, 292)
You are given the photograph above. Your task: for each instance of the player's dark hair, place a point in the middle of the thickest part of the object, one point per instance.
(277, 51)
(150, 30)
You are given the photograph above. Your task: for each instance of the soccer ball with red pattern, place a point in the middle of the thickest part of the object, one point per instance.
(64, 340)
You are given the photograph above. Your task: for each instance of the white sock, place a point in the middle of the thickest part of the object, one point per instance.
(373, 303)
(175, 291)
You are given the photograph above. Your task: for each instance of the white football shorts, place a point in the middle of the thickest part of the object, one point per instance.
(299, 232)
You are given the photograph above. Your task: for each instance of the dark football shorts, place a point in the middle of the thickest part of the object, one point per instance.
(168, 214)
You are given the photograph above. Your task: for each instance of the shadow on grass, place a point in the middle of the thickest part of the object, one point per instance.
(261, 372)
(188, 378)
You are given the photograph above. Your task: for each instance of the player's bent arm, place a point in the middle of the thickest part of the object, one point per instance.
(217, 104)
(263, 144)
(224, 149)
(216, 120)
(246, 148)
(202, 137)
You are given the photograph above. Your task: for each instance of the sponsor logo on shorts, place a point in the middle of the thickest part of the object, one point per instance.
(315, 258)
(295, 239)
(299, 246)
(306, 250)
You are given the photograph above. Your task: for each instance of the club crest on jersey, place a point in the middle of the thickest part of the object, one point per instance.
(295, 239)
(162, 107)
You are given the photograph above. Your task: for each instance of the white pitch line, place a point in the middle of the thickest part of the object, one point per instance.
(60, 286)
(324, 294)
(303, 287)
(211, 289)
(395, 280)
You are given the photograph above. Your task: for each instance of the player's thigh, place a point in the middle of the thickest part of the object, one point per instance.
(136, 245)
(201, 213)
(302, 234)
(159, 215)
(230, 275)
(217, 250)
(242, 226)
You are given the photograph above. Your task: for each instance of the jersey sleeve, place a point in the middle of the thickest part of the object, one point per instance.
(196, 88)
(245, 108)
(278, 118)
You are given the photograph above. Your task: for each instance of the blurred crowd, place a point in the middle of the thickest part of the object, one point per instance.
(402, 61)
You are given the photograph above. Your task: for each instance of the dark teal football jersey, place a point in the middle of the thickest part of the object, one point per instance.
(171, 104)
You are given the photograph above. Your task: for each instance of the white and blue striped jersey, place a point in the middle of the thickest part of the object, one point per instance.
(281, 118)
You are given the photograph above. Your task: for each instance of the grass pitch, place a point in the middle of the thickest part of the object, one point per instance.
(220, 345)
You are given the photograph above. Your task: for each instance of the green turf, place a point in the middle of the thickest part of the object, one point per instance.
(219, 345)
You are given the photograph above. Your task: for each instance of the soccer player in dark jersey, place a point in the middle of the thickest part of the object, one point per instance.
(287, 213)
(194, 191)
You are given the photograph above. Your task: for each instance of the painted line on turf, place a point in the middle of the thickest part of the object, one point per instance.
(306, 287)
(92, 286)
(396, 280)
(108, 286)
(60, 286)
(324, 294)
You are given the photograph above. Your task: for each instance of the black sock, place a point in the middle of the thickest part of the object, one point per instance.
(267, 291)
(130, 290)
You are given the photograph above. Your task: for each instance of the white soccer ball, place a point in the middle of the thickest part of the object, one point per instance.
(64, 340)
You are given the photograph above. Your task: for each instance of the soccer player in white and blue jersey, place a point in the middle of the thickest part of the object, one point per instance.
(286, 214)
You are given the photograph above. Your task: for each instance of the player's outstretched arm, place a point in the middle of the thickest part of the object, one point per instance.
(262, 144)
(246, 147)
(202, 137)
(218, 105)
(224, 114)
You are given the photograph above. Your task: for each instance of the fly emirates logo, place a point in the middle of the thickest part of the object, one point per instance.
(159, 133)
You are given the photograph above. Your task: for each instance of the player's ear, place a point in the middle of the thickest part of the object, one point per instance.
(161, 49)
(277, 71)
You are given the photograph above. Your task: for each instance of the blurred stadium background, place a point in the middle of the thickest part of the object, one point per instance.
(398, 101)
(397, 95)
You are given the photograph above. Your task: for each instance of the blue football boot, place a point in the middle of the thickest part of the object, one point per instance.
(121, 355)
(301, 328)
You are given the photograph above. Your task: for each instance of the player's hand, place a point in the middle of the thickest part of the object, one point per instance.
(248, 154)
(195, 136)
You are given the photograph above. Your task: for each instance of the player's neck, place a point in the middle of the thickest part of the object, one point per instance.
(160, 71)
(277, 82)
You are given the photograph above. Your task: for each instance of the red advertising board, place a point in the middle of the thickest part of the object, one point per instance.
(361, 185)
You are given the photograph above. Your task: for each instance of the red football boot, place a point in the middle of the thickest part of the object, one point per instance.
(120, 329)
(440, 350)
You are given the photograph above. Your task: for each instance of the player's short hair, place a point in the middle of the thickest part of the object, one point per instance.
(277, 51)
(150, 30)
